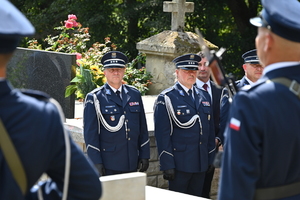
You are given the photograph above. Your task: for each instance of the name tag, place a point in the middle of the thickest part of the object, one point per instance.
(111, 106)
(183, 106)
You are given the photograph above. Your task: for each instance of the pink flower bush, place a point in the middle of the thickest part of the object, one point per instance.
(71, 16)
(68, 24)
(78, 56)
(71, 22)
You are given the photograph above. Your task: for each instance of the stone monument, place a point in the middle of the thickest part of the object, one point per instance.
(162, 48)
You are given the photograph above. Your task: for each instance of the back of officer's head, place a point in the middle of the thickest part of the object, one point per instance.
(279, 30)
(281, 17)
(13, 26)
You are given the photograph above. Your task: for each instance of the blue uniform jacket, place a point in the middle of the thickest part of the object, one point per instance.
(262, 143)
(36, 130)
(185, 149)
(225, 105)
(118, 150)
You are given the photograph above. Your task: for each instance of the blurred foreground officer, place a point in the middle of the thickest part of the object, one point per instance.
(184, 129)
(115, 128)
(262, 145)
(33, 140)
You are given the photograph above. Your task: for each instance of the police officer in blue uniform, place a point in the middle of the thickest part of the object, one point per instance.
(253, 71)
(184, 129)
(33, 122)
(252, 67)
(115, 128)
(261, 154)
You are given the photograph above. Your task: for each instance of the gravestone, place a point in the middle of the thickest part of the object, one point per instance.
(50, 72)
(162, 48)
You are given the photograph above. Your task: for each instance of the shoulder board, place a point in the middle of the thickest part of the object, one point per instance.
(167, 90)
(249, 87)
(36, 94)
(96, 89)
(130, 86)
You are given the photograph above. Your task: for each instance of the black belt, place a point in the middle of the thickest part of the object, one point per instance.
(277, 192)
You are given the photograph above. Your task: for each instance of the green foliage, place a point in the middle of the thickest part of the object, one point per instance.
(225, 23)
(73, 38)
(140, 78)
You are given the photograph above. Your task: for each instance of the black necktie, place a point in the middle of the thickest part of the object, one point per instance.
(118, 93)
(191, 95)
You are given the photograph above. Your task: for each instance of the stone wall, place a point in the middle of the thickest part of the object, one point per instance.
(154, 175)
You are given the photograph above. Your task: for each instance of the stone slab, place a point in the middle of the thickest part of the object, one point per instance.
(47, 71)
(154, 193)
(124, 186)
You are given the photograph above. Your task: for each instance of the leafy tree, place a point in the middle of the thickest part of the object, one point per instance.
(223, 22)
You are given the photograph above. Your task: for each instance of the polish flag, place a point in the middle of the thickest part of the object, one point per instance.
(235, 124)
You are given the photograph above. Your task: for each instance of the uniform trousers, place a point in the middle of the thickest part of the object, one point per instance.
(188, 183)
(207, 183)
(113, 172)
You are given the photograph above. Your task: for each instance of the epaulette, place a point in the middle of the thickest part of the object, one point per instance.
(36, 94)
(96, 89)
(167, 90)
(131, 86)
(248, 88)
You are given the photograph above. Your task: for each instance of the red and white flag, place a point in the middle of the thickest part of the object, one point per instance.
(235, 124)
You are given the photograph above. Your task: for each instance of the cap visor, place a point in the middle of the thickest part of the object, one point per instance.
(188, 68)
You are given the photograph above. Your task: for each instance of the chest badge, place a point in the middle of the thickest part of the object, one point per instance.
(112, 118)
(178, 112)
(206, 103)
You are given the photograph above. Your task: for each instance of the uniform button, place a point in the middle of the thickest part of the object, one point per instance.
(126, 120)
(128, 129)
(128, 138)
(174, 149)
(200, 142)
(124, 112)
(103, 149)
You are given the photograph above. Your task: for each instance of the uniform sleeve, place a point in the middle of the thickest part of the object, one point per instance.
(211, 145)
(211, 140)
(91, 130)
(163, 131)
(83, 179)
(240, 163)
(144, 145)
(224, 110)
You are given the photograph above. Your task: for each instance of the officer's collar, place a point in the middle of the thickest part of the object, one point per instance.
(114, 89)
(185, 88)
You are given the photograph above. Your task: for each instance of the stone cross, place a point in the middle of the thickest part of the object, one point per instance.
(178, 9)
